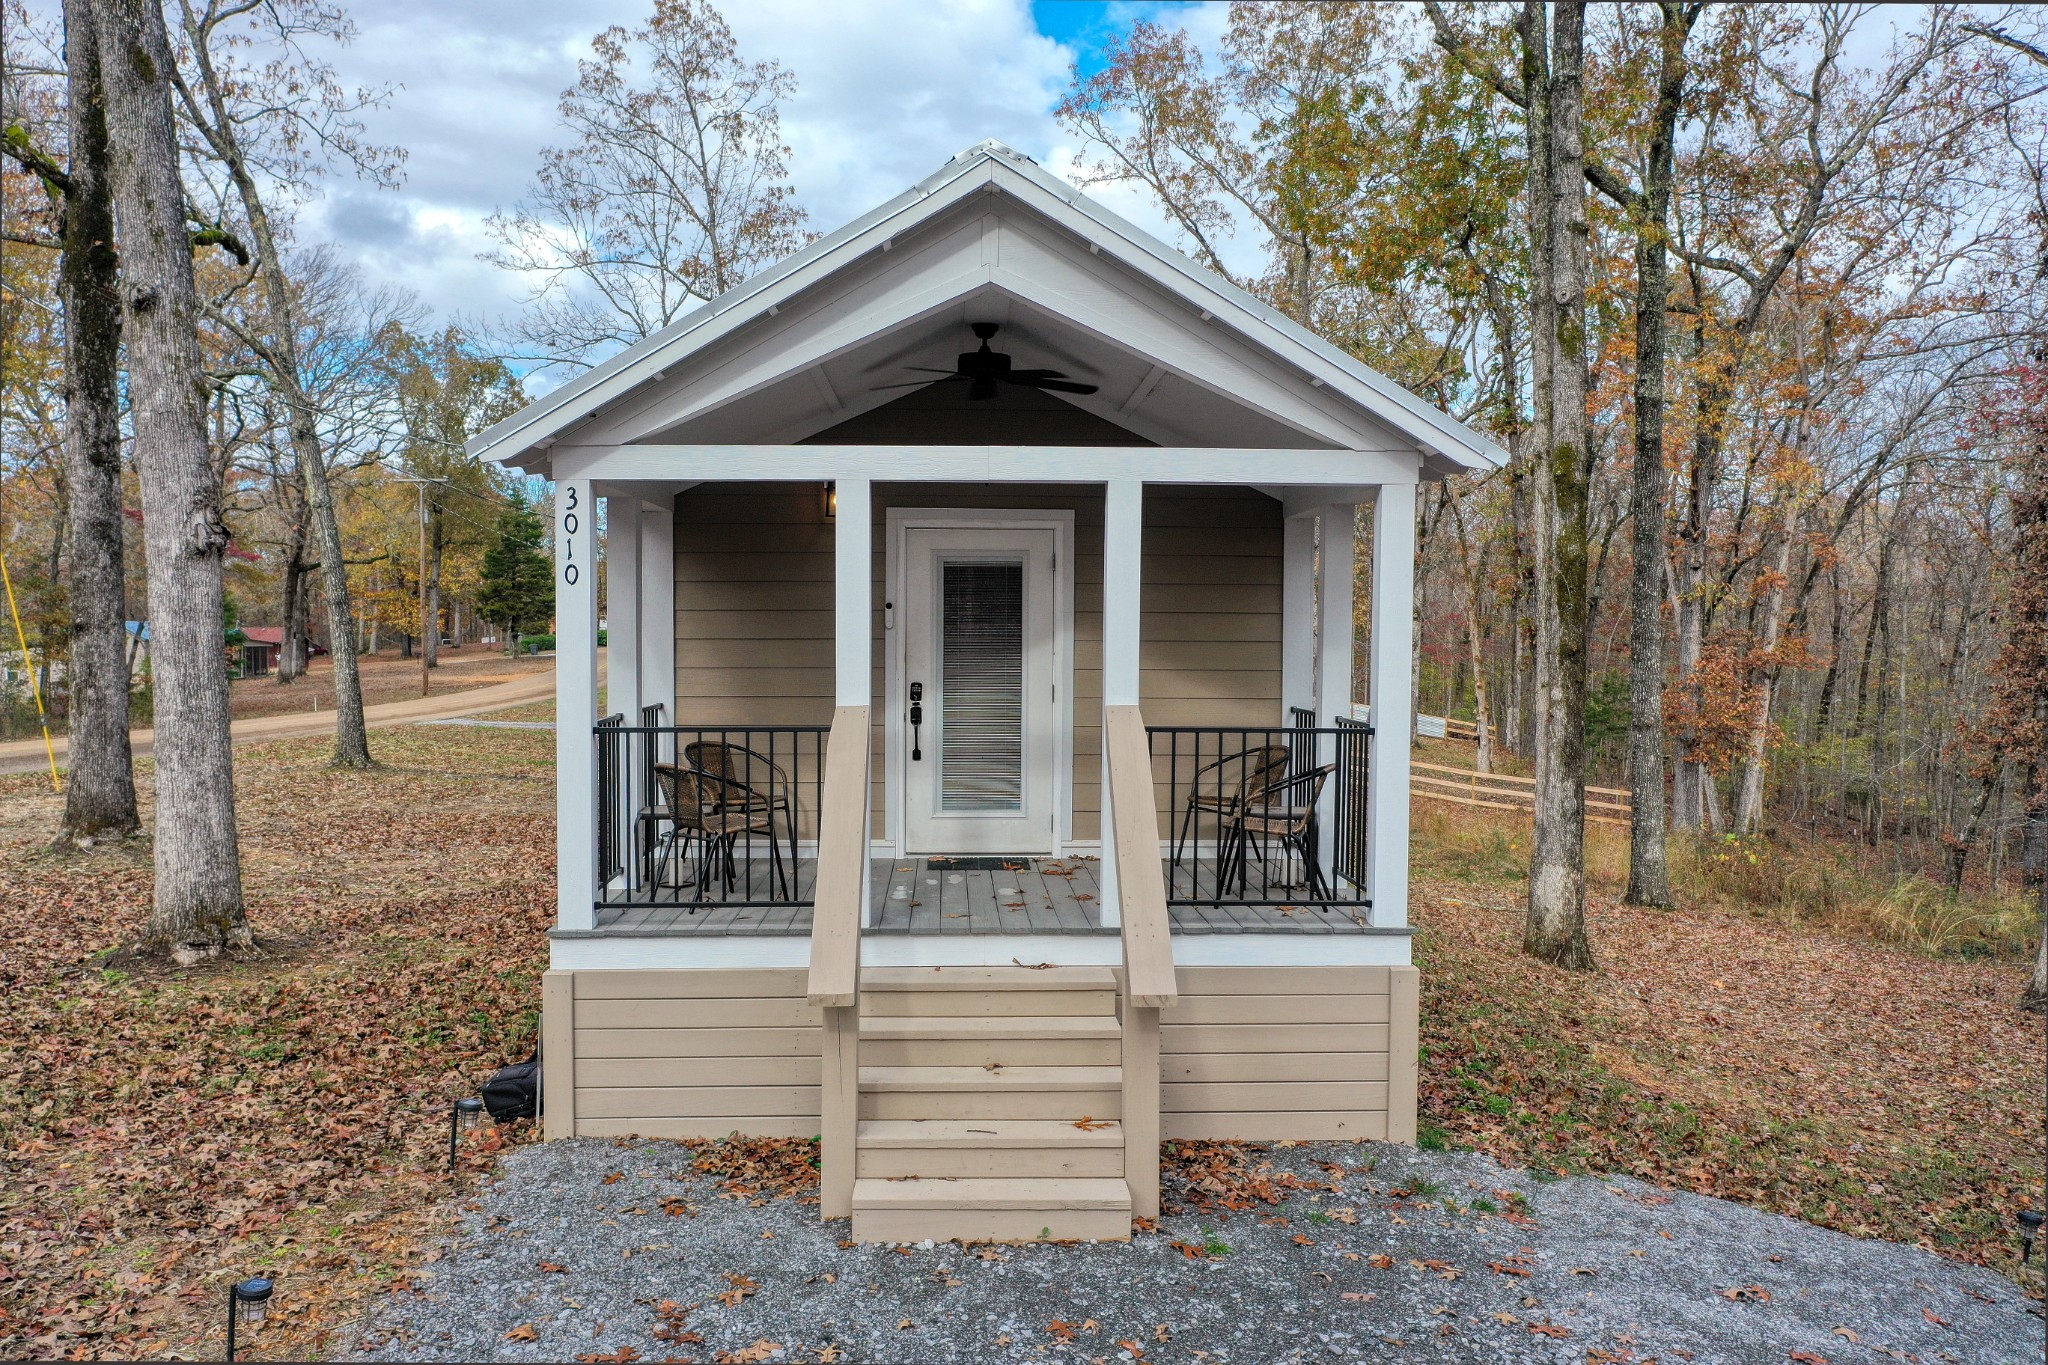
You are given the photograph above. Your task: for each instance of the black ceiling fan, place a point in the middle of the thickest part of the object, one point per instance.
(983, 369)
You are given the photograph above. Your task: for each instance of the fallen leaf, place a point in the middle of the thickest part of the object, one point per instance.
(1928, 1313)
(525, 1331)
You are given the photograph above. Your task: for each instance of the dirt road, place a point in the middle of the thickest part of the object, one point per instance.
(27, 755)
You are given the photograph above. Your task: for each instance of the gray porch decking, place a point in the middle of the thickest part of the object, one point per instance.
(1051, 896)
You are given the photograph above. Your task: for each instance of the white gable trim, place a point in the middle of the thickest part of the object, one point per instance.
(990, 168)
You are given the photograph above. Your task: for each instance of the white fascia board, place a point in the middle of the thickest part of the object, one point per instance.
(1339, 469)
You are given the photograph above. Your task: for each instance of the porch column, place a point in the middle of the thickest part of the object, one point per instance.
(658, 606)
(622, 606)
(1334, 603)
(575, 704)
(853, 680)
(1297, 615)
(1391, 648)
(1123, 563)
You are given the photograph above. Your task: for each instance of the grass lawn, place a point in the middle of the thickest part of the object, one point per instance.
(287, 1113)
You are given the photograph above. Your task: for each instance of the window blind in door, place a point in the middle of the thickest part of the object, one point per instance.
(981, 687)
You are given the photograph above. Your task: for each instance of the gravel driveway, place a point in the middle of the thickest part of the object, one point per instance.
(1413, 1256)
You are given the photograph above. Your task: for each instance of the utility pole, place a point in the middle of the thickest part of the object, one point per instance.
(425, 625)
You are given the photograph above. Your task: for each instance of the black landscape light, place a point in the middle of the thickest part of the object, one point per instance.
(463, 1117)
(2030, 1228)
(248, 1304)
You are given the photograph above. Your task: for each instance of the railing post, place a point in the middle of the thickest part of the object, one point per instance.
(1149, 978)
(834, 981)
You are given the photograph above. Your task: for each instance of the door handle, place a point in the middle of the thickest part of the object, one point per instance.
(916, 721)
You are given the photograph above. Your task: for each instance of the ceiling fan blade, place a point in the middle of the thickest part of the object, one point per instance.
(1053, 385)
(1032, 375)
(947, 377)
(982, 387)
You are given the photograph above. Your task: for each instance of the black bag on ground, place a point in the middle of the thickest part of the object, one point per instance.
(513, 1092)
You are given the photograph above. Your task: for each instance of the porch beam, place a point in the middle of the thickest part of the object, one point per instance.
(575, 704)
(1333, 469)
(1123, 560)
(1391, 649)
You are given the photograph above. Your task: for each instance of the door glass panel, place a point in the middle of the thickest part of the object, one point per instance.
(981, 686)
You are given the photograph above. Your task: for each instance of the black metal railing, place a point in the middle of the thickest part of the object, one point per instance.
(707, 815)
(1264, 815)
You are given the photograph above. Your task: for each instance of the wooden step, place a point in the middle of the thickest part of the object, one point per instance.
(1020, 1148)
(970, 992)
(992, 1210)
(1011, 1040)
(988, 978)
(976, 1092)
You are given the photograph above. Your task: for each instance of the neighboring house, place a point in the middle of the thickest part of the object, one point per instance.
(260, 647)
(903, 536)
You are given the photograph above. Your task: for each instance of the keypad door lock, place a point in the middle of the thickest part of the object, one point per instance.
(916, 721)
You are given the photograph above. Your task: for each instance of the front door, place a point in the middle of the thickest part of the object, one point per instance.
(979, 705)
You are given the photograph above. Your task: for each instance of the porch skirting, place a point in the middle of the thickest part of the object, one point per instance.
(1250, 1053)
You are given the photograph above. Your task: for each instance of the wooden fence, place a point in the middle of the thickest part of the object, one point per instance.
(1505, 791)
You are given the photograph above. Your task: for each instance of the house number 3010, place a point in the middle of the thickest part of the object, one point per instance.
(570, 524)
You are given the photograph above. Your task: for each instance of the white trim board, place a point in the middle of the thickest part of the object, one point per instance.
(1340, 469)
(609, 953)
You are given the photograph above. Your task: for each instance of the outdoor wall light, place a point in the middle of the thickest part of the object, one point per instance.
(463, 1117)
(248, 1304)
(831, 500)
(2030, 1228)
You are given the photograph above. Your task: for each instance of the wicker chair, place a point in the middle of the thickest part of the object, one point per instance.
(1220, 787)
(749, 779)
(1285, 810)
(704, 810)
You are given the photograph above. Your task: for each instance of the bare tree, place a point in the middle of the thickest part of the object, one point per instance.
(232, 109)
(673, 190)
(198, 908)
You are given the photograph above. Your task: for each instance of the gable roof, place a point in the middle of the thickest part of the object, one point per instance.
(521, 440)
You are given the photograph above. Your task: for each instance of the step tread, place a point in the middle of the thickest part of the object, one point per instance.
(987, 978)
(975, 1026)
(980, 1078)
(1050, 1193)
(981, 1133)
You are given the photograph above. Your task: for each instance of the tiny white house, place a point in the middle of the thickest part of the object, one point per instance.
(976, 782)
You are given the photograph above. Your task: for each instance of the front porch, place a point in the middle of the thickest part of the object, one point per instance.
(917, 896)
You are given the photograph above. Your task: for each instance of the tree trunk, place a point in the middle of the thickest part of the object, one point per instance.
(1749, 801)
(1556, 926)
(1649, 871)
(295, 649)
(351, 736)
(99, 797)
(198, 907)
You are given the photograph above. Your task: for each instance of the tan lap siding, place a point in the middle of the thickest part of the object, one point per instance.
(695, 1054)
(1264, 1053)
